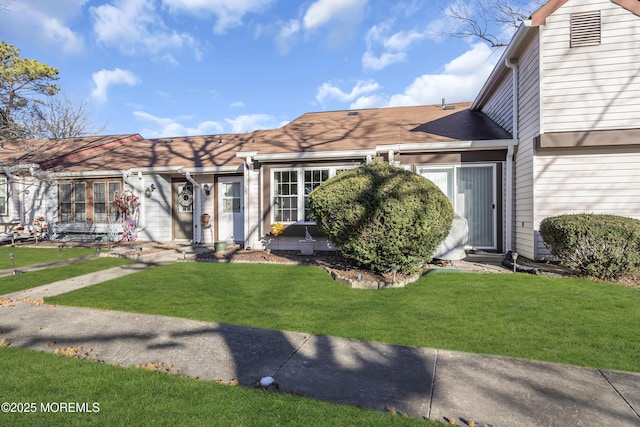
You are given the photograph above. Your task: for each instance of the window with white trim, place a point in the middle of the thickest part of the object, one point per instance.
(3, 196)
(290, 188)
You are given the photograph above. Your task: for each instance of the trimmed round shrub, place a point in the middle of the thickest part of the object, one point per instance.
(605, 247)
(383, 217)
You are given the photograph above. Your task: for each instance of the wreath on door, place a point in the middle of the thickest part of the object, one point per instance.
(185, 198)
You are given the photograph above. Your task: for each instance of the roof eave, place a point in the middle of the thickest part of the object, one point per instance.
(518, 38)
(430, 147)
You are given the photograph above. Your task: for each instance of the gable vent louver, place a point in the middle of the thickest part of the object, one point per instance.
(585, 29)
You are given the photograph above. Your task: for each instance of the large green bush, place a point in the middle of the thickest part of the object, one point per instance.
(601, 246)
(383, 217)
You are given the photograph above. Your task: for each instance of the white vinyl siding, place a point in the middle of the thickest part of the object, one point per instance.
(591, 87)
(500, 108)
(587, 181)
(529, 125)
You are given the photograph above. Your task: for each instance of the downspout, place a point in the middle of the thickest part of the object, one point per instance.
(197, 206)
(510, 152)
(246, 196)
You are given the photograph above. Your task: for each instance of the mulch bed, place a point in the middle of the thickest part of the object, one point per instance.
(326, 259)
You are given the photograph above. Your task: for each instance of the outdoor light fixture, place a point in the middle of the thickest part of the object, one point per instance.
(514, 256)
(207, 189)
(60, 247)
(149, 191)
(12, 258)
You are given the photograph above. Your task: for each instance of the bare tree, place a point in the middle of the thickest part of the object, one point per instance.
(493, 21)
(58, 117)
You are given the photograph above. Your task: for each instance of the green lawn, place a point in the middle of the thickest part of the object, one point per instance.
(32, 279)
(24, 256)
(571, 321)
(136, 397)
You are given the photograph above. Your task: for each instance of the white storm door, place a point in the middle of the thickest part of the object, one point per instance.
(230, 210)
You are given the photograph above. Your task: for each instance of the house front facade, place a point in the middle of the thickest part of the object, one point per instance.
(554, 130)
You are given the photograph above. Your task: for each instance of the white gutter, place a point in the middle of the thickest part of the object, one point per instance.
(515, 104)
(425, 147)
(315, 155)
(509, 208)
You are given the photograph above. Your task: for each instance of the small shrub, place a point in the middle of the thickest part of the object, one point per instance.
(601, 246)
(383, 217)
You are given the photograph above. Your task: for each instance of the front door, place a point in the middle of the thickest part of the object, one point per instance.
(230, 210)
(182, 210)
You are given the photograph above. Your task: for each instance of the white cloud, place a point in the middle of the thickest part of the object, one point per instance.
(237, 104)
(229, 13)
(393, 46)
(45, 23)
(134, 26)
(323, 12)
(286, 35)
(103, 79)
(251, 122)
(161, 127)
(330, 91)
(461, 80)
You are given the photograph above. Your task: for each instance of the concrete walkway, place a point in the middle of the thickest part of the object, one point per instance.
(421, 382)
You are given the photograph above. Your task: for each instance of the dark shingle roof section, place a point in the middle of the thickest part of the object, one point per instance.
(465, 125)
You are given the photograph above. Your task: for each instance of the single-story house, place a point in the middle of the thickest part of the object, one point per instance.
(554, 130)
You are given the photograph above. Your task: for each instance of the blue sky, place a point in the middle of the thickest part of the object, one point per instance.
(192, 67)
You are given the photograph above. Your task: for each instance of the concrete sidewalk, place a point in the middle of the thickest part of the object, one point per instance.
(422, 382)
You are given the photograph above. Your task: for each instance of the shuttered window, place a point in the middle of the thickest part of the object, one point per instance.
(586, 29)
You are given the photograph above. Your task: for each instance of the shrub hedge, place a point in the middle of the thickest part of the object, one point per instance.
(383, 217)
(601, 246)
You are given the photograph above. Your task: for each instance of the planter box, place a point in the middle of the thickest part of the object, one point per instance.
(307, 247)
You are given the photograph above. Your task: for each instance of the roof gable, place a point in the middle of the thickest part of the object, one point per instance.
(539, 17)
(630, 5)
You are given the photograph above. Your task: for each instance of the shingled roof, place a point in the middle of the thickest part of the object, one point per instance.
(311, 132)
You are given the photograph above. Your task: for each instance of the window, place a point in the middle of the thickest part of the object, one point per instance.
(286, 196)
(102, 198)
(3, 196)
(312, 179)
(585, 29)
(291, 187)
(87, 201)
(231, 197)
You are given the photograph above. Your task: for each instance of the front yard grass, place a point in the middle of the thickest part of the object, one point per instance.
(137, 397)
(572, 321)
(32, 279)
(24, 256)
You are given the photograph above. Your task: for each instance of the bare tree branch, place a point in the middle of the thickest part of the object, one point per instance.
(58, 117)
(493, 21)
